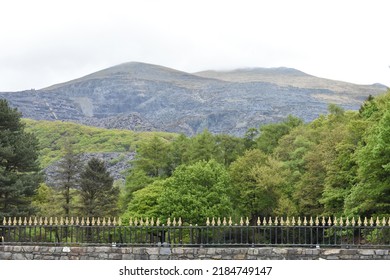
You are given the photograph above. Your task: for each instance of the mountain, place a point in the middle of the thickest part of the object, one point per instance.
(145, 97)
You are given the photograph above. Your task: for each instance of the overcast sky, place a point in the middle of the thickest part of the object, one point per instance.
(44, 42)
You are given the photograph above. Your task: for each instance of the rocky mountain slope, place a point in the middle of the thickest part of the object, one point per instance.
(147, 97)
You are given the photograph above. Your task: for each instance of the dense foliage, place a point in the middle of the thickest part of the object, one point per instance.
(338, 164)
(19, 177)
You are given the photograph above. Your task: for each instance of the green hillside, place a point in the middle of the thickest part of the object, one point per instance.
(51, 136)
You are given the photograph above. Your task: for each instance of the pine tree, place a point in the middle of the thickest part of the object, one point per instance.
(19, 168)
(68, 174)
(98, 195)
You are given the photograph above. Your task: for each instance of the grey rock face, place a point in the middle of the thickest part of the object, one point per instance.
(117, 164)
(146, 97)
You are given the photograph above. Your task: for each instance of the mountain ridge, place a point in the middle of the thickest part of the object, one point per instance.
(143, 96)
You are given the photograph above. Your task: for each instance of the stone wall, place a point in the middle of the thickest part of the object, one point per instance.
(166, 253)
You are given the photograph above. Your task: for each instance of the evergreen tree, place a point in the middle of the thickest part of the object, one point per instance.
(99, 197)
(203, 147)
(19, 168)
(152, 157)
(68, 174)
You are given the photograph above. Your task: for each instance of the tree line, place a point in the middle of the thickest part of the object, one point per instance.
(338, 164)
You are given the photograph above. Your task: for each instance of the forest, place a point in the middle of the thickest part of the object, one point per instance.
(336, 165)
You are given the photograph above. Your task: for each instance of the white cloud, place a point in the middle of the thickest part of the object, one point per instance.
(45, 42)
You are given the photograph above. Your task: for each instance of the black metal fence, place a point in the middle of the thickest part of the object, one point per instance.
(274, 232)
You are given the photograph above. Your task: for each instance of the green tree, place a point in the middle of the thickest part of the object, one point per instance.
(203, 147)
(136, 180)
(271, 133)
(99, 197)
(46, 201)
(256, 179)
(229, 148)
(19, 168)
(372, 194)
(197, 191)
(250, 138)
(144, 203)
(68, 174)
(152, 157)
(180, 152)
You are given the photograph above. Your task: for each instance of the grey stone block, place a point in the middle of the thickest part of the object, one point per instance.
(328, 252)
(18, 256)
(128, 257)
(381, 252)
(115, 256)
(366, 252)
(6, 256)
(165, 251)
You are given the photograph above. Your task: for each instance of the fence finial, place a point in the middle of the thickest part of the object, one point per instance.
(158, 222)
(219, 221)
(359, 222)
(119, 221)
(293, 221)
(305, 221)
(174, 221)
(371, 222)
(241, 221)
(179, 223)
(169, 222)
(365, 221)
(213, 222)
(288, 221)
(247, 221)
(224, 221)
(258, 221)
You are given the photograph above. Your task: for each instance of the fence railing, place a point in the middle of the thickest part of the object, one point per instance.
(330, 232)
